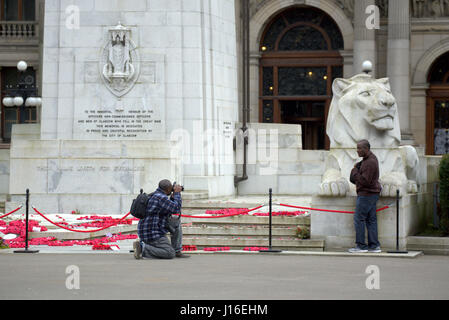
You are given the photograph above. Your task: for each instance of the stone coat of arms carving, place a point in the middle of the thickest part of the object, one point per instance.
(119, 65)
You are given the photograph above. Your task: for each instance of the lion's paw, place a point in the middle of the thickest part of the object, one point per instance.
(335, 188)
(391, 182)
(389, 190)
(412, 186)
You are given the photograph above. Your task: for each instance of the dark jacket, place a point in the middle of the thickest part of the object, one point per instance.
(365, 176)
(159, 208)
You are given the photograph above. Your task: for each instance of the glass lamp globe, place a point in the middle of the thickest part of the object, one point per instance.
(18, 101)
(22, 65)
(38, 102)
(8, 102)
(30, 102)
(367, 66)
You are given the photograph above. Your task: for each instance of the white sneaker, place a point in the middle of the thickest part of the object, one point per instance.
(357, 250)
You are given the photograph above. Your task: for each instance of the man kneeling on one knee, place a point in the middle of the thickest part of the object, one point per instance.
(158, 221)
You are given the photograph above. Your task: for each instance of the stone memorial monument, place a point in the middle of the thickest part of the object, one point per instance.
(364, 108)
(137, 91)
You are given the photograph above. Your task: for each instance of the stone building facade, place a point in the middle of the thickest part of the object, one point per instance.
(197, 46)
(411, 38)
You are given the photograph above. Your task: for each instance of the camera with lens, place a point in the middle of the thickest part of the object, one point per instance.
(174, 184)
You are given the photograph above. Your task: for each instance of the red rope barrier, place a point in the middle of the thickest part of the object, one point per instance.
(327, 210)
(220, 216)
(89, 231)
(7, 214)
(188, 216)
(75, 230)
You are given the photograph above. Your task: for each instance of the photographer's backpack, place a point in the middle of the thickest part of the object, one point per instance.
(139, 205)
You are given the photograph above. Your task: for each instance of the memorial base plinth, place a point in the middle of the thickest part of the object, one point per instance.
(337, 229)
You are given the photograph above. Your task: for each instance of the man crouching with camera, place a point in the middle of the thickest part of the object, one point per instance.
(158, 221)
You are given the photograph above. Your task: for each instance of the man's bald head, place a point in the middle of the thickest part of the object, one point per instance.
(165, 185)
(364, 143)
(363, 148)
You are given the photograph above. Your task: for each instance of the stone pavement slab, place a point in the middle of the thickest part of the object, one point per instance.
(221, 277)
(126, 245)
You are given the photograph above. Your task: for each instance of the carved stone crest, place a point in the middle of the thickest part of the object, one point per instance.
(119, 64)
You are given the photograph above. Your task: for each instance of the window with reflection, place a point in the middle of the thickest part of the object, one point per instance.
(302, 28)
(18, 10)
(11, 115)
(300, 58)
(437, 113)
(439, 72)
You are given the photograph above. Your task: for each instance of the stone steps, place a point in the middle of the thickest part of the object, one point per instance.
(236, 232)
(62, 234)
(238, 244)
(429, 245)
(192, 195)
(250, 220)
(246, 202)
(256, 231)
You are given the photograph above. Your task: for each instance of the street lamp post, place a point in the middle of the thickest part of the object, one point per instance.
(24, 94)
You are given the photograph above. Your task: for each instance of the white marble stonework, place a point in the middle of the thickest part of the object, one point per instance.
(118, 88)
(276, 160)
(337, 229)
(364, 108)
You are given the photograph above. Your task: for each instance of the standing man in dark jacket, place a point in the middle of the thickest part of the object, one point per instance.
(152, 230)
(365, 175)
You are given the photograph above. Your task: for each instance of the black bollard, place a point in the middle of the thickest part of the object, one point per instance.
(26, 226)
(270, 225)
(397, 226)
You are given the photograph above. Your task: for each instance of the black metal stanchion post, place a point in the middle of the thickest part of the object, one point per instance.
(26, 226)
(270, 249)
(397, 226)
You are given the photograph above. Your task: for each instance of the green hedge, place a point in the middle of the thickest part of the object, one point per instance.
(443, 174)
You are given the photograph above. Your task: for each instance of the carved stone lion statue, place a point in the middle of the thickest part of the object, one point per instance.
(364, 108)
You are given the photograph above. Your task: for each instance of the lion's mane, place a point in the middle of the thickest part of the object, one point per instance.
(346, 124)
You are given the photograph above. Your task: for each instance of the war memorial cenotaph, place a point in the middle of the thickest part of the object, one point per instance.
(120, 94)
(146, 90)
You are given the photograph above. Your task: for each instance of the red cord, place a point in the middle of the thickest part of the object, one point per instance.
(327, 210)
(188, 216)
(7, 214)
(85, 231)
(220, 216)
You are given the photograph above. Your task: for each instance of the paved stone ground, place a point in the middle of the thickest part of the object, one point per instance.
(220, 276)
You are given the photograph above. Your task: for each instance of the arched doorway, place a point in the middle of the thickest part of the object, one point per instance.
(299, 60)
(437, 115)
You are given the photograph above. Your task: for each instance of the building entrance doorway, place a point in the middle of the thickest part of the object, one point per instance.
(311, 116)
(437, 115)
(300, 59)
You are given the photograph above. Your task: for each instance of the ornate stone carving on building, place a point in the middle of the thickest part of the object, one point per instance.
(430, 8)
(347, 6)
(441, 141)
(255, 5)
(119, 63)
(364, 108)
(383, 8)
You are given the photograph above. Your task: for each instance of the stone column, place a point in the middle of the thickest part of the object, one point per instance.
(254, 86)
(364, 38)
(398, 60)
